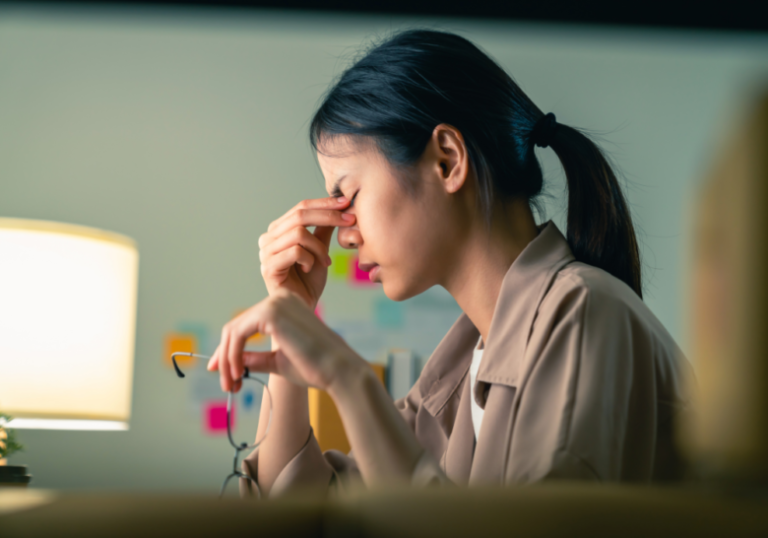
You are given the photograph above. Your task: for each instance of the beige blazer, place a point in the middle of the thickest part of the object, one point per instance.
(579, 380)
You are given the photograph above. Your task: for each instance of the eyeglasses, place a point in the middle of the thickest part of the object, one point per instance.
(239, 447)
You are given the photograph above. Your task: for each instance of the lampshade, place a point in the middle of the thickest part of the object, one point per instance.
(67, 325)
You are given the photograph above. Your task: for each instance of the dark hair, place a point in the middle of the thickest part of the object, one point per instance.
(401, 89)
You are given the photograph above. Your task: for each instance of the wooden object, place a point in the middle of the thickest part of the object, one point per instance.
(325, 420)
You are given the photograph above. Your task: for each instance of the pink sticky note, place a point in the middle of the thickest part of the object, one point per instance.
(215, 417)
(357, 275)
(319, 311)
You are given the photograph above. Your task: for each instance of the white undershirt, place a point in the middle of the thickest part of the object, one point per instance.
(477, 411)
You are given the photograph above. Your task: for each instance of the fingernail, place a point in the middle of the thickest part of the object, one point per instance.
(347, 217)
(341, 200)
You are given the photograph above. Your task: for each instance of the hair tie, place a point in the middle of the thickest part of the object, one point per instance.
(544, 130)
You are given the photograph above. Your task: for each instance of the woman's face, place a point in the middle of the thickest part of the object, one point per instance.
(405, 239)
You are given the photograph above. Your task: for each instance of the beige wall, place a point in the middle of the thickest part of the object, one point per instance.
(186, 130)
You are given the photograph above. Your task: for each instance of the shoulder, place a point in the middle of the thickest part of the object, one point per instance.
(602, 307)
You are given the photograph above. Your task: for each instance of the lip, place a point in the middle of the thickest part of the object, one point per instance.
(373, 276)
(372, 269)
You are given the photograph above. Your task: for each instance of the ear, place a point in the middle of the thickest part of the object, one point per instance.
(449, 157)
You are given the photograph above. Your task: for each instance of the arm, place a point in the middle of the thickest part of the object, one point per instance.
(310, 354)
(294, 259)
(288, 430)
(385, 447)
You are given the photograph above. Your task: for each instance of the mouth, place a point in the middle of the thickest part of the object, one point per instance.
(372, 269)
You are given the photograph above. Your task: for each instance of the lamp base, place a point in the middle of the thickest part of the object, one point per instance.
(14, 476)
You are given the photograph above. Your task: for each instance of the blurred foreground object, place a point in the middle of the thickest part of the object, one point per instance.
(67, 325)
(541, 510)
(729, 434)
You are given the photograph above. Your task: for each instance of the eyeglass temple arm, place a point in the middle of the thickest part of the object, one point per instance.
(184, 354)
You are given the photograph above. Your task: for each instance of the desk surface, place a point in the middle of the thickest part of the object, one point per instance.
(541, 511)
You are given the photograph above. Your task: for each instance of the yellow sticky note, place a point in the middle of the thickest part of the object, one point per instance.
(180, 342)
(326, 421)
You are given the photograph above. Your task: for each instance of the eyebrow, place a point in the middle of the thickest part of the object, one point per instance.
(336, 191)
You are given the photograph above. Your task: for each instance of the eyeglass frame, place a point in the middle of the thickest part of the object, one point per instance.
(230, 397)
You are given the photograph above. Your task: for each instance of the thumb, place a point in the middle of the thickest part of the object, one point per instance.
(324, 234)
(260, 361)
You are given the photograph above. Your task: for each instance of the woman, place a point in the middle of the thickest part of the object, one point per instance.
(557, 369)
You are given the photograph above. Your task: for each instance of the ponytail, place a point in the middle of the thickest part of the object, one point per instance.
(600, 230)
(402, 88)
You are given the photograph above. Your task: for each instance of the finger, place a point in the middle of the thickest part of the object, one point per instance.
(312, 217)
(329, 202)
(279, 264)
(298, 236)
(213, 364)
(324, 235)
(225, 376)
(261, 361)
(235, 350)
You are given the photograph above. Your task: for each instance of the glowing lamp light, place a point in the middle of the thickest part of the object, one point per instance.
(67, 325)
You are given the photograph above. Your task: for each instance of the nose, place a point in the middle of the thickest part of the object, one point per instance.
(349, 237)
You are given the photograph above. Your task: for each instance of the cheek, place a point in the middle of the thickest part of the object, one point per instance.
(397, 234)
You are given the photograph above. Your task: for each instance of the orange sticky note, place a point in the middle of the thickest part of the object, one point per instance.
(257, 338)
(180, 342)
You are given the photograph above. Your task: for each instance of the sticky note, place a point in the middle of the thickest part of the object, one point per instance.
(215, 417)
(388, 314)
(325, 419)
(358, 277)
(248, 399)
(319, 310)
(340, 264)
(180, 342)
(200, 330)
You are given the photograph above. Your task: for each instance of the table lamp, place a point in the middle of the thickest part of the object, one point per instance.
(67, 325)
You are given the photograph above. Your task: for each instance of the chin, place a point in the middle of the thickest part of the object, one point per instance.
(400, 291)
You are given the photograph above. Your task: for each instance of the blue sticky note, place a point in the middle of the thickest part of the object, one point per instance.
(248, 399)
(388, 314)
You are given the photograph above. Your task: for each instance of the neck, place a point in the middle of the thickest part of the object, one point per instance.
(484, 259)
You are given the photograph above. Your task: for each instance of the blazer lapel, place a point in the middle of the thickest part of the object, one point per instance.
(490, 452)
(458, 456)
(524, 286)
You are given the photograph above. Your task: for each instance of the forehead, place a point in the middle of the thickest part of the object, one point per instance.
(342, 156)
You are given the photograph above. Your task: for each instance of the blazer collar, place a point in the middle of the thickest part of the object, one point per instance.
(522, 290)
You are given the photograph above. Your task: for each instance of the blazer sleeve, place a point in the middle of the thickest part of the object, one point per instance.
(333, 472)
(588, 407)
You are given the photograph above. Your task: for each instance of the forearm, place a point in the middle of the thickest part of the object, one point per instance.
(288, 430)
(386, 450)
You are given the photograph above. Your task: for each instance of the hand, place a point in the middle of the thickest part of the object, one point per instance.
(295, 259)
(309, 354)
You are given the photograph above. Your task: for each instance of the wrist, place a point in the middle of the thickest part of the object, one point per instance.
(350, 373)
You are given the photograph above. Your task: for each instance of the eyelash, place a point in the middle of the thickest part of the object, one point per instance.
(352, 201)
